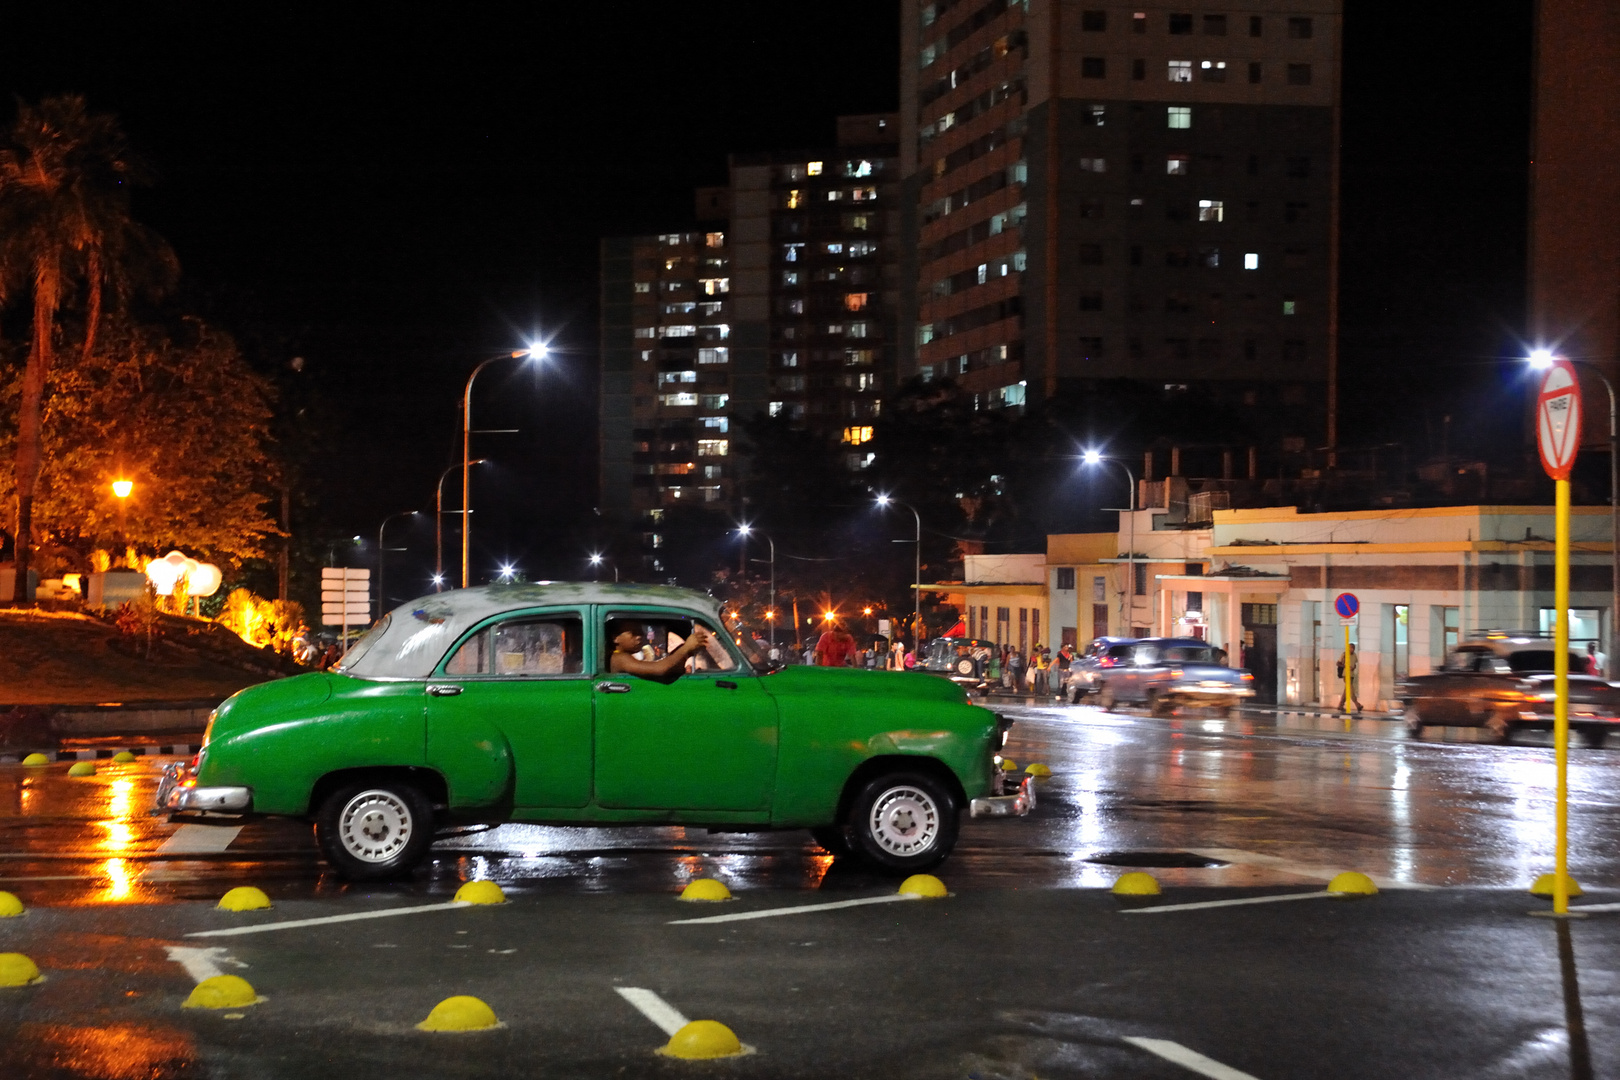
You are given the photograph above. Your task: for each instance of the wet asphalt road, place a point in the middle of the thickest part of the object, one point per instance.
(1029, 969)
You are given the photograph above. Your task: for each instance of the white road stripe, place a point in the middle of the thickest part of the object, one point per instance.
(200, 964)
(1227, 903)
(199, 839)
(1595, 907)
(654, 1008)
(768, 913)
(1191, 1060)
(1305, 870)
(293, 924)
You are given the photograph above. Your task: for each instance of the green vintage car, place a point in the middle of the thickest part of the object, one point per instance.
(496, 704)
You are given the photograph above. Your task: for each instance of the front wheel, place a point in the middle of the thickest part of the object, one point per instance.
(1106, 698)
(904, 822)
(373, 832)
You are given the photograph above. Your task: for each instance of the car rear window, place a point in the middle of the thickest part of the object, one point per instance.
(1541, 660)
(1190, 654)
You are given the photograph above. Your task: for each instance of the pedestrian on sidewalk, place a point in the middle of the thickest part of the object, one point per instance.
(1349, 671)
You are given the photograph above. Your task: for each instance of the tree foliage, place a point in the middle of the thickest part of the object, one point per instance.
(184, 418)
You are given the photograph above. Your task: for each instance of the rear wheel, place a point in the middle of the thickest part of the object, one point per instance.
(1105, 698)
(1158, 706)
(372, 832)
(1414, 721)
(905, 822)
(1499, 728)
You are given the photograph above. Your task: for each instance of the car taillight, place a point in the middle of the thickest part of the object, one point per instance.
(1107, 661)
(1247, 677)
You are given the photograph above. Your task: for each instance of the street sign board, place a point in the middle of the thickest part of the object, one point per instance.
(1558, 419)
(345, 596)
(1346, 605)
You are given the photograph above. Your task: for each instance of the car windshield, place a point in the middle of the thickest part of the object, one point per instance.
(1530, 661)
(364, 645)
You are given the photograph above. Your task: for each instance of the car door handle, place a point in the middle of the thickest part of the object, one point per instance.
(443, 690)
(612, 688)
(725, 684)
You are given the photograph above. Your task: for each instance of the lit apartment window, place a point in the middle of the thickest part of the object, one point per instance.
(677, 400)
(714, 239)
(713, 447)
(646, 331)
(713, 356)
(858, 168)
(790, 277)
(813, 168)
(863, 194)
(925, 333)
(1251, 260)
(861, 248)
(715, 423)
(668, 377)
(1299, 26)
(714, 401)
(643, 286)
(859, 357)
(790, 359)
(856, 329)
(855, 436)
(1095, 115)
(1299, 74)
(790, 252)
(775, 408)
(1213, 70)
(1290, 306)
(678, 331)
(1014, 394)
(715, 285)
(856, 301)
(1176, 165)
(1211, 210)
(795, 199)
(835, 249)
(1210, 257)
(1179, 116)
(834, 195)
(1093, 164)
(1180, 70)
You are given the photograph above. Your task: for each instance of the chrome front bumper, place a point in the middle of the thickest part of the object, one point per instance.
(1018, 804)
(177, 791)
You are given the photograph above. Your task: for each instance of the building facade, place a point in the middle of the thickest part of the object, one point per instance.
(1096, 192)
(815, 242)
(667, 395)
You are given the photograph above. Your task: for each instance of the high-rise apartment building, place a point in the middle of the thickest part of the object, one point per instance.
(667, 403)
(1142, 192)
(814, 239)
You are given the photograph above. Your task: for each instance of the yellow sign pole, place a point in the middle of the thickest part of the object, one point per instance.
(1561, 689)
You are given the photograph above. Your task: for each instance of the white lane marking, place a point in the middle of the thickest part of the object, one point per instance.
(1227, 903)
(202, 964)
(1191, 1060)
(1305, 870)
(1595, 907)
(668, 1018)
(199, 839)
(292, 924)
(768, 913)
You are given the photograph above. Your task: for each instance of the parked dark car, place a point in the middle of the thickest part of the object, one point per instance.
(960, 659)
(1102, 654)
(1165, 673)
(1505, 684)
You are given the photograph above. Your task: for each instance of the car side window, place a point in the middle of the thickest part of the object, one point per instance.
(522, 648)
(665, 633)
(1145, 656)
(1462, 660)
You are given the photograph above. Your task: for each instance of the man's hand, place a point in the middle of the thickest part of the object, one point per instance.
(699, 638)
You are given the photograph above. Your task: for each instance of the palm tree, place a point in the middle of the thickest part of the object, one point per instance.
(66, 237)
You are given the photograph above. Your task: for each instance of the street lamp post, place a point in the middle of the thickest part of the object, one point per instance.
(1093, 457)
(438, 526)
(1541, 359)
(382, 597)
(916, 599)
(534, 352)
(596, 560)
(745, 531)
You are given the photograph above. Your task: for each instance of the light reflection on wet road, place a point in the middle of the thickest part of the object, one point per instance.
(1276, 799)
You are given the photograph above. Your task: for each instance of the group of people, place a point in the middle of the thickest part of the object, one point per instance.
(837, 647)
(1042, 673)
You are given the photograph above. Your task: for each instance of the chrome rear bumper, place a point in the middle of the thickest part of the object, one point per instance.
(1018, 804)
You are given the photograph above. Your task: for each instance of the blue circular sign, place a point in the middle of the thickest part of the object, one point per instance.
(1346, 605)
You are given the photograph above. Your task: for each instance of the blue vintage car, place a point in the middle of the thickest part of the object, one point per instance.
(1167, 673)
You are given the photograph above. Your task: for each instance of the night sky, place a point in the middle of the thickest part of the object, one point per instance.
(396, 192)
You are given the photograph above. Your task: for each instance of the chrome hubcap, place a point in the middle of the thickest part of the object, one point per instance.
(905, 821)
(375, 826)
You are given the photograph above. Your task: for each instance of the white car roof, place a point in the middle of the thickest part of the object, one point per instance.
(409, 641)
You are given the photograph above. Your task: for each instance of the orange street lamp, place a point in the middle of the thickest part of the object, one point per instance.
(122, 488)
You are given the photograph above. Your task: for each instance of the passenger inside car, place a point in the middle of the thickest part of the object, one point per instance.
(687, 648)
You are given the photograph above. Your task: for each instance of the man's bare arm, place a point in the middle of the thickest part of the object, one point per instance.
(625, 664)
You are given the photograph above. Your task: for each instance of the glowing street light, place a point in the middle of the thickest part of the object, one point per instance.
(1095, 457)
(508, 571)
(1541, 359)
(884, 502)
(536, 351)
(122, 488)
(746, 530)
